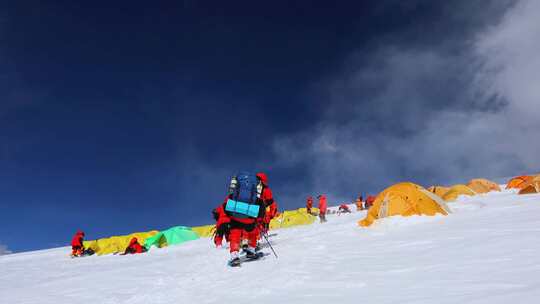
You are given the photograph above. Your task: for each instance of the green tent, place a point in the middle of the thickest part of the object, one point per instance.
(172, 236)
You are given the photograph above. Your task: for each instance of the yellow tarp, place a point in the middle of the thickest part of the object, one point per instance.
(291, 218)
(457, 190)
(404, 199)
(482, 185)
(439, 190)
(204, 231)
(116, 244)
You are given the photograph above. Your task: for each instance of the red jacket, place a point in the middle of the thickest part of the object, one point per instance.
(370, 199)
(309, 203)
(271, 212)
(78, 239)
(268, 199)
(134, 247)
(322, 204)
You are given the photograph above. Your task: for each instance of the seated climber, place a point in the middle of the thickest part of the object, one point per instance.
(134, 247)
(343, 208)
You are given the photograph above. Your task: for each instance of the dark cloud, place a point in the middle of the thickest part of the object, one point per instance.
(436, 112)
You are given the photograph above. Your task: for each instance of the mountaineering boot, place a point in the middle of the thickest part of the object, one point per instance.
(235, 259)
(251, 253)
(234, 262)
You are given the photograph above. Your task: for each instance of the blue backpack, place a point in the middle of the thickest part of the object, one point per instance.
(244, 191)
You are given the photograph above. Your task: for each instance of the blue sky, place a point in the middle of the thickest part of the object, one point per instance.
(131, 117)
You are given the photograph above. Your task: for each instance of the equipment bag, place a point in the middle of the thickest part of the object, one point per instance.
(244, 196)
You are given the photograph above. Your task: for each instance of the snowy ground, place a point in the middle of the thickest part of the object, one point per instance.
(487, 251)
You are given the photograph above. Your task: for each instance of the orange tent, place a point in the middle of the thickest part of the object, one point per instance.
(519, 182)
(532, 186)
(482, 185)
(457, 190)
(439, 190)
(404, 199)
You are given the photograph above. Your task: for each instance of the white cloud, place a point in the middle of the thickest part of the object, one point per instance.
(4, 250)
(429, 114)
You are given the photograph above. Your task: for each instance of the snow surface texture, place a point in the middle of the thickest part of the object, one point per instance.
(487, 251)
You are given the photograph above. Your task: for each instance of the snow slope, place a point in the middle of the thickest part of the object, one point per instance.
(487, 251)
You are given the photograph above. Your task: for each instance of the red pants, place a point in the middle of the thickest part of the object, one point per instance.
(77, 250)
(235, 237)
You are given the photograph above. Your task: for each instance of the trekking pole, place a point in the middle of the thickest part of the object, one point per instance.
(270, 245)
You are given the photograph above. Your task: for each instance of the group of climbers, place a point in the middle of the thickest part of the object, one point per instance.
(364, 205)
(343, 208)
(245, 214)
(323, 206)
(78, 250)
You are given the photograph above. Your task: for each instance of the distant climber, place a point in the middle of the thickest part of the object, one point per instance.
(309, 204)
(77, 246)
(322, 207)
(343, 208)
(134, 247)
(359, 203)
(369, 201)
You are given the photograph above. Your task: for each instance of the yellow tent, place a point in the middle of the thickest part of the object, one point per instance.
(291, 218)
(519, 182)
(204, 231)
(532, 186)
(439, 190)
(404, 199)
(457, 190)
(116, 244)
(482, 185)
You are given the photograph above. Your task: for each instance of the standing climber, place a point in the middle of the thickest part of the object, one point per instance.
(309, 204)
(268, 201)
(322, 207)
(77, 247)
(359, 203)
(246, 209)
(369, 201)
